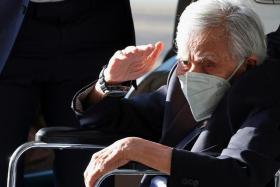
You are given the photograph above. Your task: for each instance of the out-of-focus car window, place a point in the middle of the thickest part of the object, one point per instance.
(269, 12)
(154, 21)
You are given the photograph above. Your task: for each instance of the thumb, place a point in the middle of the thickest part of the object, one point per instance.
(159, 46)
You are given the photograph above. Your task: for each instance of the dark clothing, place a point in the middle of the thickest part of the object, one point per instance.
(239, 145)
(61, 46)
(69, 40)
(11, 17)
(273, 44)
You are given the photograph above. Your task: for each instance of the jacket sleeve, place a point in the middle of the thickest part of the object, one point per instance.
(139, 116)
(11, 17)
(251, 158)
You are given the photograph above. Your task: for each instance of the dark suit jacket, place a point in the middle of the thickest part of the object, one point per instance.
(11, 16)
(239, 147)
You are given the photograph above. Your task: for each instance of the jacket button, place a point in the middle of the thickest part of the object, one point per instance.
(190, 182)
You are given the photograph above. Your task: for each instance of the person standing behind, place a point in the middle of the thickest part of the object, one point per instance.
(61, 46)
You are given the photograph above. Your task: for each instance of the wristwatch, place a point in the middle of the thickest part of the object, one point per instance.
(114, 90)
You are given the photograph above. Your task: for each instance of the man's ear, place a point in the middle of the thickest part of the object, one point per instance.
(251, 62)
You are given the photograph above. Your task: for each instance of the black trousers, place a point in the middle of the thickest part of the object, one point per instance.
(60, 48)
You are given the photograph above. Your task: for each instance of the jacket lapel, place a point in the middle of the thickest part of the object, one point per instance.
(178, 120)
(217, 132)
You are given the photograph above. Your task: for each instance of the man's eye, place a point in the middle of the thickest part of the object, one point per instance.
(209, 63)
(185, 62)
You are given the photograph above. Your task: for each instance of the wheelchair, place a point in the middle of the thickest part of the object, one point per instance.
(86, 139)
(70, 138)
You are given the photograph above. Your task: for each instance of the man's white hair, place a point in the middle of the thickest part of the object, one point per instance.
(242, 25)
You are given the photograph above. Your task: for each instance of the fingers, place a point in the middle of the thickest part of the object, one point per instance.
(148, 58)
(152, 51)
(104, 161)
(138, 52)
(119, 55)
(145, 50)
(149, 50)
(132, 62)
(130, 50)
(98, 166)
(159, 46)
(92, 172)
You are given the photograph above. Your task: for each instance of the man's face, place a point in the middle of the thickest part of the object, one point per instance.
(209, 53)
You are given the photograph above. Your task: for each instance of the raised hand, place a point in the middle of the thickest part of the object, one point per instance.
(132, 62)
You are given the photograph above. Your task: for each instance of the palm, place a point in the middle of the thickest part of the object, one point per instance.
(132, 62)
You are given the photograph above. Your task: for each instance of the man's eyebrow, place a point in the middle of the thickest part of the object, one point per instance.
(206, 55)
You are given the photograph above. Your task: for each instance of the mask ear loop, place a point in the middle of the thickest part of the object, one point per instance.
(236, 69)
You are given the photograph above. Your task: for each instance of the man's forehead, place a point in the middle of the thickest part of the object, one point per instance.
(212, 34)
(208, 38)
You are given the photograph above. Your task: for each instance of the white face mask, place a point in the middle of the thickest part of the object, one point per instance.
(203, 92)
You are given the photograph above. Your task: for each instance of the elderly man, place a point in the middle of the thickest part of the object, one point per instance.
(216, 119)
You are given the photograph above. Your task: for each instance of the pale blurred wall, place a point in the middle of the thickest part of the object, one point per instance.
(154, 21)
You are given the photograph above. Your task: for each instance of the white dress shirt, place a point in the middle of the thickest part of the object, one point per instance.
(158, 181)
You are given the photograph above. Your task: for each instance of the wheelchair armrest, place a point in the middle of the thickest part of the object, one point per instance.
(69, 135)
(127, 172)
(76, 136)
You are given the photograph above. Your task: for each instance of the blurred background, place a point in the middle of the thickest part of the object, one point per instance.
(154, 21)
